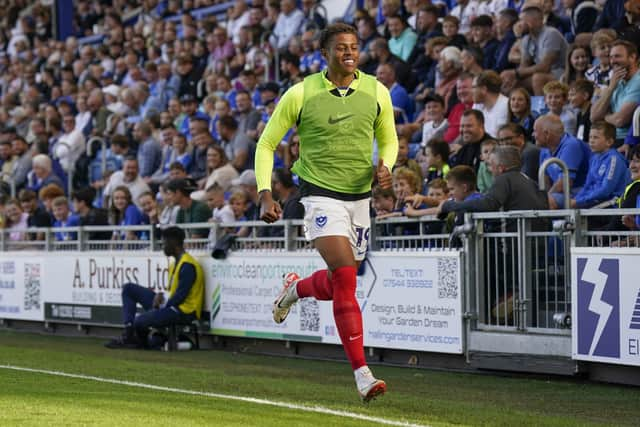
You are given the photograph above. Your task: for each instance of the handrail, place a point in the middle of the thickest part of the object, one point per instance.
(565, 178)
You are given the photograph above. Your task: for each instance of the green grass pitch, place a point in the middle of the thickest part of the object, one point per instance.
(415, 396)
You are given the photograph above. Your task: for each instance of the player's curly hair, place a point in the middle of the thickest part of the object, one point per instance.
(334, 29)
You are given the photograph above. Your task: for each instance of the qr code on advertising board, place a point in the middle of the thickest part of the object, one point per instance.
(309, 315)
(448, 278)
(32, 277)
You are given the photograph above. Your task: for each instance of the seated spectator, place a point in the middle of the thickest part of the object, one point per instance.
(513, 134)
(580, 94)
(23, 156)
(520, 110)
(554, 142)
(402, 105)
(38, 216)
(124, 212)
(63, 219)
(437, 193)
(149, 150)
(47, 194)
(600, 74)
(286, 193)
(169, 212)
(239, 203)
(127, 177)
(464, 90)
(487, 99)
(184, 303)
(436, 123)
(472, 60)
(451, 30)
(149, 208)
(472, 134)
(42, 174)
(608, 174)
(383, 201)
(219, 170)
(403, 159)
(403, 38)
(16, 221)
(618, 102)
(556, 97)
(450, 67)
(191, 211)
(511, 189)
(247, 182)
(433, 160)
(406, 183)
(543, 52)
(240, 149)
(485, 178)
(180, 152)
(505, 20)
(464, 11)
(82, 200)
(482, 36)
(288, 24)
(221, 213)
(578, 62)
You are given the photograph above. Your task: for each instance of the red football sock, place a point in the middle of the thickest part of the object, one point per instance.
(317, 285)
(347, 315)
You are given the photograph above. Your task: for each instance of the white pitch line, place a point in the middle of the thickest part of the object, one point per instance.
(316, 409)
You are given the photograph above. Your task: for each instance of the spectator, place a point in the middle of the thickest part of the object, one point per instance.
(556, 97)
(450, 67)
(472, 134)
(42, 173)
(191, 211)
(450, 29)
(380, 54)
(190, 109)
(177, 171)
(221, 213)
(510, 191)
(514, 134)
(555, 142)
(312, 19)
(485, 178)
(64, 219)
(608, 174)
(22, 164)
(149, 150)
(406, 183)
(247, 116)
(180, 152)
(464, 90)
(123, 212)
(127, 177)
(288, 24)
(247, 182)
(465, 11)
(150, 209)
(47, 194)
(543, 52)
(520, 110)
(506, 19)
(7, 160)
(82, 200)
(403, 160)
(580, 95)
(583, 15)
(239, 203)
(286, 193)
(427, 27)
(578, 62)
(402, 105)
(403, 38)
(189, 74)
(16, 221)
(169, 213)
(383, 201)
(367, 33)
(220, 171)
(237, 146)
(600, 74)
(437, 193)
(618, 102)
(433, 160)
(487, 99)
(38, 216)
(482, 36)
(436, 124)
(472, 60)
(186, 295)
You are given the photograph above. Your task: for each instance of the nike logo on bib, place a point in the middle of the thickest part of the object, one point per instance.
(339, 118)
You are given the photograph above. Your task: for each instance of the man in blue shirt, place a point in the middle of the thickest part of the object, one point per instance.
(550, 136)
(402, 105)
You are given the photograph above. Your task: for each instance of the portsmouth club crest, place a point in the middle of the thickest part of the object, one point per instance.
(321, 221)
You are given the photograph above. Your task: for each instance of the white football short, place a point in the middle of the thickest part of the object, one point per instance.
(324, 216)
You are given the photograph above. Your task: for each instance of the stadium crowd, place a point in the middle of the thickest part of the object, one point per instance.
(157, 122)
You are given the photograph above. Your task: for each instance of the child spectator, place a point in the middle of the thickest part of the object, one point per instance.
(485, 179)
(239, 203)
(180, 152)
(608, 174)
(16, 220)
(403, 159)
(555, 97)
(383, 202)
(437, 193)
(580, 94)
(124, 212)
(47, 194)
(450, 28)
(221, 213)
(578, 61)
(461, 182)
(433, 160)
(600, 74)
(520, 110)
(436, 124)
(406, 183)
(170, 209)
(63, 219)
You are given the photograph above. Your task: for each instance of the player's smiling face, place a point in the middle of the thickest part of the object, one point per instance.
(343, 53)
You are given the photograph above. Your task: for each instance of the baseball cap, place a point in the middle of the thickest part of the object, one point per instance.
(247, 177)
(187, 97)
